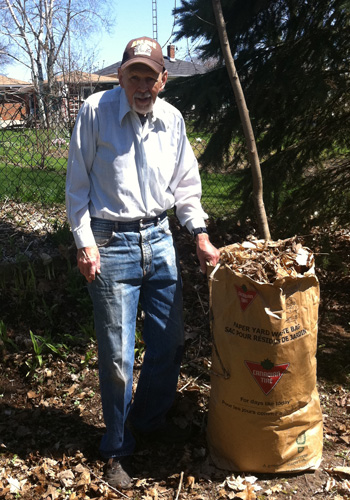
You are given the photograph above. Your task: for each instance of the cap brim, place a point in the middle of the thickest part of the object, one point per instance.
(158, 68)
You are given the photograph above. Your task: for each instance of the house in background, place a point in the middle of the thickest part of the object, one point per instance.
(13, 105)
(175, 67)
(82, 84)
(69, 92)
(73, 88)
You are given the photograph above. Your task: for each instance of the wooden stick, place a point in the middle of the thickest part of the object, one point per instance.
(180, 486)
(109, 486)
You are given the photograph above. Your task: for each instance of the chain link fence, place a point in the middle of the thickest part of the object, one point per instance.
(34, 143)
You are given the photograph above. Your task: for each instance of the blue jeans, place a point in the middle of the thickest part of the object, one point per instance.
(138, 265)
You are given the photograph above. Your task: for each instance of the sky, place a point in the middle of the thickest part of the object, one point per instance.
(133, 19)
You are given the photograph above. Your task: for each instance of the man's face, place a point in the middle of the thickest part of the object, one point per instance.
(141, 85)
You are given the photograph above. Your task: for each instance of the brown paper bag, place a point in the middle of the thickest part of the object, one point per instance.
(264, 410)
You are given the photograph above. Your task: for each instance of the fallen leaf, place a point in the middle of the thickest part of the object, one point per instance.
(50, 462)
(72, 389)
(247, 494)
(251, 480)
(141, 482)
(234, 483)
(94, 487)
(80, 468)
(222, 493)
(162, 490)
(266, 261)
(340, 471)
(331, 438)
(16, 486)
(85, 478)
(274, 489)
(345, 486)
(342, 428)
(190, 481)
(51, 492)
(4, 491)
(66, 478)
(331, 483)
(153, 493)
(32, 395)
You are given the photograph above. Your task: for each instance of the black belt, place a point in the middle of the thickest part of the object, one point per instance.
(133, 225)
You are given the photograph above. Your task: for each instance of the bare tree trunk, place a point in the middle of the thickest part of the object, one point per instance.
(246, 123)
(38, 30)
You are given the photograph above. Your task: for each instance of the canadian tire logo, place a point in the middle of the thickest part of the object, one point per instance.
(266, 374)
(245, 296)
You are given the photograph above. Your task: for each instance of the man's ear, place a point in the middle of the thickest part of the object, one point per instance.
(120, 77)
(164, 80)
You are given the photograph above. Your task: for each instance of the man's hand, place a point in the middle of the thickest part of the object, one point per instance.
(89, 262)
(206, 252)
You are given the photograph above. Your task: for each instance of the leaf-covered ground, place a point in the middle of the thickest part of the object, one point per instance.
(50, 416)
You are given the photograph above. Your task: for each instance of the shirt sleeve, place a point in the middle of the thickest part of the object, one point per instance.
(186, 185)
(82, 152)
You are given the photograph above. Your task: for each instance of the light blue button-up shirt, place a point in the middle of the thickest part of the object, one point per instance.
(123, 171)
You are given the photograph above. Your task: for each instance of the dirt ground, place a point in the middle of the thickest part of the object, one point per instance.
(50, 415)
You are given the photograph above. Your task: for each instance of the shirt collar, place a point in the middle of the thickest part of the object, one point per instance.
(124, 108)
(158, 113)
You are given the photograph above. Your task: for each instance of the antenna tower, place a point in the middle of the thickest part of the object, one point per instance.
(154, 20)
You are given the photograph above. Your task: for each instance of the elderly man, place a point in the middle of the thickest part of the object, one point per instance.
(129, 162)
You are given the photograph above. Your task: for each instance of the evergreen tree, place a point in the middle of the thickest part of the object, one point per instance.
(292, 58)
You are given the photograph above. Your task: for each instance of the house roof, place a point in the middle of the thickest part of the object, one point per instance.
(175, 68)
(178, 68)
(78, 77)
(11, 82)
(82, 77)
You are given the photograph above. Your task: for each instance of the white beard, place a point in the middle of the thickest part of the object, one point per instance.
(142, 110)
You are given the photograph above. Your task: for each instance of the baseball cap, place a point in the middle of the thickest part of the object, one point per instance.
(143, 50)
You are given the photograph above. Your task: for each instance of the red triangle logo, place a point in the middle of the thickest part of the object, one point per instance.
(245, 296)
(266, 374)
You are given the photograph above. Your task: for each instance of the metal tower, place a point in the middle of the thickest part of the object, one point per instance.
(154, 20)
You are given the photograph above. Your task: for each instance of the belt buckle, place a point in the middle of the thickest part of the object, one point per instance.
(145, 222)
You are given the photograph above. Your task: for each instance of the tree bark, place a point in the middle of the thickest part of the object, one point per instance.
(246, 123)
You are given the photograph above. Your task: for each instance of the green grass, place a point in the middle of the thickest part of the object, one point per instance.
(217, 197)
(30, 185)
(33, 165)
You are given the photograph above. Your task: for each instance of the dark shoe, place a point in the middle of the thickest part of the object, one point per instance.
(116, 474)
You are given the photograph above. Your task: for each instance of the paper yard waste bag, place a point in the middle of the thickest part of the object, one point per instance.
(264, 409)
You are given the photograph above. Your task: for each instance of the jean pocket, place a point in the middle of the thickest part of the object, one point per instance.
(164, 227)
(103, 233)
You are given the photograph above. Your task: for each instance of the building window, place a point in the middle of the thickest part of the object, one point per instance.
(87, 91)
